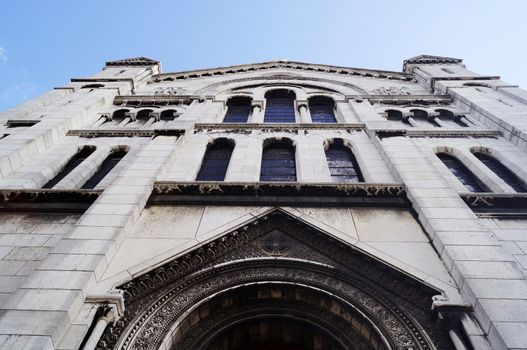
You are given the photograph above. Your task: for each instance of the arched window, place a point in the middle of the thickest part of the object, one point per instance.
(322, 110)
(216, 161)
(168, 115)
(74, 161)
(395, 115)
(107, 165)
(278, 162)
(279, 106)
(422, 119)
(343, 165)
(118, 116)
(143, 116)
(448, 116)
(502, 171)
(464, 175)
(238, 110)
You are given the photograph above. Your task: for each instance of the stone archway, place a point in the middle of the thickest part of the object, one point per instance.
(276, 282)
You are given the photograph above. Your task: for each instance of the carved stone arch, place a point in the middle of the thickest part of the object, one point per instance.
(276, 269)
(239, 82)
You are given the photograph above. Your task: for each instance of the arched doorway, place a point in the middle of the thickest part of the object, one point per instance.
(276, 283)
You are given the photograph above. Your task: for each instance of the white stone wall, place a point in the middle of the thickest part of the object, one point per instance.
(49, 264)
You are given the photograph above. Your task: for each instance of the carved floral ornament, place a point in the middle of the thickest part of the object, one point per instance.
(275, 267)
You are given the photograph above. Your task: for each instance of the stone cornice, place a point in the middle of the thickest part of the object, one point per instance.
(447, 133)
(138, 100)
(505, 205)
(233, 127)
(380, 74)
(279, 193)
(135, 61)
(124, 132)
(429, 59)
(402, 99)
(47, 200)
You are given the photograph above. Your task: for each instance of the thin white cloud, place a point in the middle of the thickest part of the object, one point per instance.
(18, 92)
(3, 55)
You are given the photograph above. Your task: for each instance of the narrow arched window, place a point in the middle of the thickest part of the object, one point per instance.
(74, 161)
(448, 116)
(502, 171)
(168, 115)
(322, 110)
(278, 162)
(422, 118)
(143, 116)
(279, 106)
(342, 163)
(463, 174)
(216, 161)
(395, 115)
(107, 165)
(119, 116)
(238, 110)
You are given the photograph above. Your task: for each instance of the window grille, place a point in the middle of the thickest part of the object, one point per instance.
(278, 163)
(342, 164)
(279, 107)
(215, 162)
(322, 110)
(238, 110)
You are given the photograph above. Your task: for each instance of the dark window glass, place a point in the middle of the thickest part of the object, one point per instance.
(469, 180)
(502, 171)
(279, 107)
(215, 163)
(107, 165)
(238, 110)
(343, 165)
(278, 163)
(321, 109)
(74, 161)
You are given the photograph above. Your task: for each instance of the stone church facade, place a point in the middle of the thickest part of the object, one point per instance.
(277, 205)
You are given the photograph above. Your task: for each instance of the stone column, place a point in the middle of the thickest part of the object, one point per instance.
(257, 115)
(303, 110)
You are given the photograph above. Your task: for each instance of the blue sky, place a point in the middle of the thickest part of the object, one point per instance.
(45, 43)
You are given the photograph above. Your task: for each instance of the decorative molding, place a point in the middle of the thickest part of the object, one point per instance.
(47, 200)
(403, 99)
(90, 133)
(446, 133)
(247, 68)
(153, 100)
(276, 127)
(276, 248)
(497, 205)
(428, 59)
(135, 61)
(279, 193)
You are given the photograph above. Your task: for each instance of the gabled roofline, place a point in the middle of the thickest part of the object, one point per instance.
(280, 64)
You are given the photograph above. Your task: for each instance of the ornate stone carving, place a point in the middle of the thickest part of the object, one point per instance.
(391, 90)
(171, 91)
(394, 302)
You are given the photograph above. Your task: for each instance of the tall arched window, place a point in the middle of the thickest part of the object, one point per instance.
(279, 106)
(464, 175)
(502, 171)
(342, 164)
(107, 165)
(278, 162)
(216, 161)
(74, 161)
(238, 110)
(322, 110)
